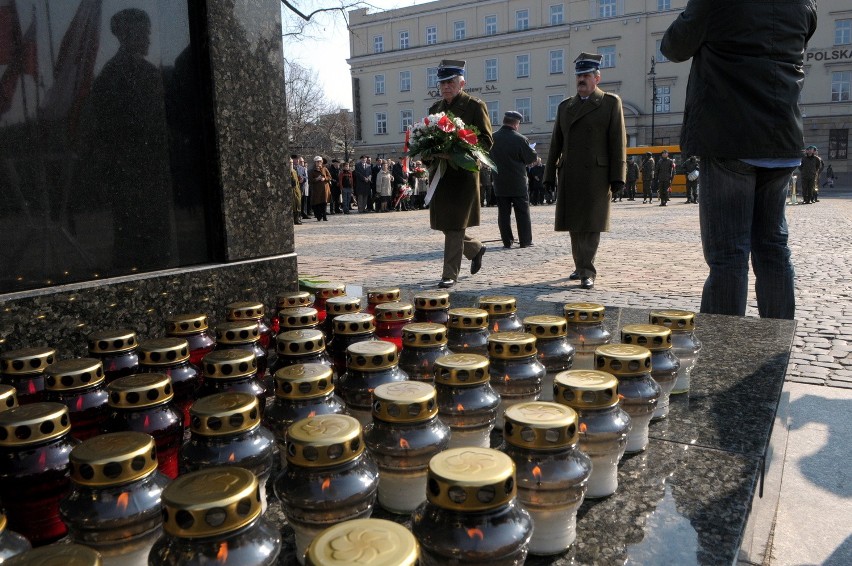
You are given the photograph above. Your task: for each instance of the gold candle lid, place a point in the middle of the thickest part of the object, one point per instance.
(238, 332)
(343, 305)
(224, 413)
(377, 542)
(57, 555)
(583, 312)
(371, 355)
(78, 373)
(423, 335)
(465, 318)
(383, 295)
(546, 326)
(293, 299)
(677, 320)
(298, 317)
(394, 312)
(651, 336)
(300, 342)
(112, 341)
(184, 324)
(354, 324)
(460, 370)
(163, 351)
(113, 459)
(303, 381)
(405, 402)
(33, 423)
(540, 425)
(210, 502)
(245, 310)
(324, 440)
(140, 390)
(498, 304)
(431, 300)
(27, 360)
(623, 359)
(8, 397)
(228, 364)
(511, 345)
(328, 290)
(470, 479)
(585, 389)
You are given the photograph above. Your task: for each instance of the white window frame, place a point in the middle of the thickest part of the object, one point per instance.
(557, 14)
(381, 123)
(607, 8)
(491, 24)
(524, 106)
(494, 112)
(431, 35)
(404, 81)
(379, 83)
(378, 44)
(553, 102)
(404, 39)
(557, 61)
(522, 66)
(522, 20)
(841, 86)
(459, 30)
(663, 5)
(492, 70)
(843, 32)
(608, 54)
(406, 120)
(663, 103)
(431, 77)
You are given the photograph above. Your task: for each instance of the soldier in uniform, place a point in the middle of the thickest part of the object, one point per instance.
(648, 178)
(664, 173)
(690, 167)
(632, 178)
(811, 167)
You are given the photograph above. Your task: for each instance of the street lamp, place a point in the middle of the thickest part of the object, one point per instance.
(653, 74)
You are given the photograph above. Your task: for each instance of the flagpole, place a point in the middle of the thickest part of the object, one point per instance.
(49, 36)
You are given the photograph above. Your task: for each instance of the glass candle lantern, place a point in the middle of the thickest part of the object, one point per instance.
(34, 449)
(335, 307)
(232, 370)
(251, 311)
(516, 374)
(467, 331)
(79, 384)
(114, 503)
(11, 543)
(368, 365)
(552, 473)
(329, 476)
(171, 357)
(376, 542)
(24, 370)
(350, 329)
(298, 318)
(502, 313)
(603, 425)
(301, 391)
(380, 296)
(471, 515)
(466, 401)
(214, 516)
(636, 388)
(664, 364)
(143, 403)
(432, 306)
(56, 554)
(403, 437)
(555, 353)
(246, 336)
(390, 319)
(195, 329)
(8, 397)
(422, 344)
(226, 431)
(290, 300)
(116, 349)
(325, 291)
(685, 344)
(301, 347)
(585, 332)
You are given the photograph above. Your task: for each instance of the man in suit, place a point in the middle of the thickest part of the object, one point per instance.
(362, 175)
(589, 144)
(455, 203)
(511, 154)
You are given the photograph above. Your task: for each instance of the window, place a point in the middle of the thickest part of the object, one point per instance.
(842, 32)
(608, 53)
(431, 77)
(840, 86)
(663, 5)
(553, 106)
(490, 25)
(522, 20)
(404, 81)
(663, 99)
(380, 84)
(522, 66)
(557, 59)
(431, 35)
(381, 123)
(494, 112)
(607, 8)
(557, 15)
(490, 70)
(658, 55)
(403, 39)
(378, 44)
(838, 144)
(458, 30)
(524, 106)
(406, 119)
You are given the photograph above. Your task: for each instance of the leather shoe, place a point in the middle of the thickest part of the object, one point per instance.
(476, 262)
(446, 283)
(526, 245)
(574, 276)
(587, 282)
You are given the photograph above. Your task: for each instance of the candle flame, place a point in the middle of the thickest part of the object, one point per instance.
(620, 397)
(495, 328)
(123, 500)
(536, 472)
(459, 407)
(222, 555)
(473, 533)
(403, 443)
(147, 421)
(583, 427)
(506, 378)
(312, 414)
(326, 483)
(232, 458)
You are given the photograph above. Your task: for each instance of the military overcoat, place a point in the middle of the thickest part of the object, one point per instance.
(588, 146)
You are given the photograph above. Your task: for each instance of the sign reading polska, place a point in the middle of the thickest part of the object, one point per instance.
(828, 55)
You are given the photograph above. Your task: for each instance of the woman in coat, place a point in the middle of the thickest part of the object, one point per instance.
(384, 187)
(320, 183)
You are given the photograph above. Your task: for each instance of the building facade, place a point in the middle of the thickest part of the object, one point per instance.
(520, 56)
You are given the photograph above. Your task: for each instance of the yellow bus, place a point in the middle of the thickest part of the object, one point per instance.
(679, 181)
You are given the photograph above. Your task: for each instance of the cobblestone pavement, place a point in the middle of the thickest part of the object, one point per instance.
(650, 259)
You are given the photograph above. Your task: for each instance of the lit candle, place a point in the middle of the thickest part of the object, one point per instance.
(585, 331)
(466, 401)
(516, 374)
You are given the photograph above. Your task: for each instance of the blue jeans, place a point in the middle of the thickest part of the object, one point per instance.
(742, 214)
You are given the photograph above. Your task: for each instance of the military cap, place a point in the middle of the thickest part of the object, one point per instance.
(450, 69)
(812, 146)
(512, 115)
(587, 63)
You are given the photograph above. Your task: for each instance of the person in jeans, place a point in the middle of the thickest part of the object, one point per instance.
(346, 182)
(742, 117)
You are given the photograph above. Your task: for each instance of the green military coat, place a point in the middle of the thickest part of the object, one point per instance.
(589, 147)
(455, 204)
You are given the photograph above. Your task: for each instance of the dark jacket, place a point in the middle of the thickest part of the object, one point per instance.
(648, 166)
(746, 75)
(632, 171)
(664, 172)
(511, 153)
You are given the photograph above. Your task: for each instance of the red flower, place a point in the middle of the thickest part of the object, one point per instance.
(446, 125)
(426, 121)
(468, 136)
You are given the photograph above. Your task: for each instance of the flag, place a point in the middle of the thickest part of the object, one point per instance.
(29, 50)
(405, 150)
(8, 84)
(10, 31)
